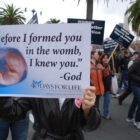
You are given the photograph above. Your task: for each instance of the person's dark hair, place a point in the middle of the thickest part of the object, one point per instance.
(105, 54)
(126, 52)
(93, 52)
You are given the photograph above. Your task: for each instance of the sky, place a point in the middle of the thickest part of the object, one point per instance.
(112, 14)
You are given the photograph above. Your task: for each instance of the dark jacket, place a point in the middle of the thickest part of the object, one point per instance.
(108, 79)
(134, 73)
(124, 63)
(53, 123)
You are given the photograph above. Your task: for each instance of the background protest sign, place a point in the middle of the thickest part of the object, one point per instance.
(97, 29)
(109, 45)
(48, 60)
(122, 36)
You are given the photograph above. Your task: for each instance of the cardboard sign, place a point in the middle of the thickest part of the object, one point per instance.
(109, 45)
(97, 29)
(122, 36)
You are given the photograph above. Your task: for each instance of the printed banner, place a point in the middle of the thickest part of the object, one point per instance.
(48, 60)
(97, 29)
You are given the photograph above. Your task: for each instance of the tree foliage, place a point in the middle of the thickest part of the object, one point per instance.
(53, 20)
(89, 13)
(134, 15)
(11, 15)
(105, 1)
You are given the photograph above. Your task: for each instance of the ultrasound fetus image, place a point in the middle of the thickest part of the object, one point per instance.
(13, 67)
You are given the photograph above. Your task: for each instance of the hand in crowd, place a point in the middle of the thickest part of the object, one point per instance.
(89, 99)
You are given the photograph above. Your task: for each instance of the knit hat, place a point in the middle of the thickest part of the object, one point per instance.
(137, 52)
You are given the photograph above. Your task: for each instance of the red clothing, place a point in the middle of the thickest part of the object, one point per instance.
(97, 73)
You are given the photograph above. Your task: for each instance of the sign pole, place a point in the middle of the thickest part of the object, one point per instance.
(113, 65)
(113, 52)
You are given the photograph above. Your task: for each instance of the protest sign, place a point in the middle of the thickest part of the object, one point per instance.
(109, 45)
(122, 36)
(97, 29)
(48, 60)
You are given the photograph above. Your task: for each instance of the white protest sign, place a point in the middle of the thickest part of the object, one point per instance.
(48, 60)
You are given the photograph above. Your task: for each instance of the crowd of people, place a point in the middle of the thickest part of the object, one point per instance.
(64, 119)
(126, 65)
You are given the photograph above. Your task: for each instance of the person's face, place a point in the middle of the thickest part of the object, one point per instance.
(95, 56)
(105, 59)
(127, 55)
(136, 56)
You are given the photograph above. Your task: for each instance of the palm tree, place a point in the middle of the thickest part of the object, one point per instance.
(90, 3)
(11, 15)
(134, 16)
(53, 20)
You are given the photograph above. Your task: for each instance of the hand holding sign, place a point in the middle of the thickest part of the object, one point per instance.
(89, 100)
